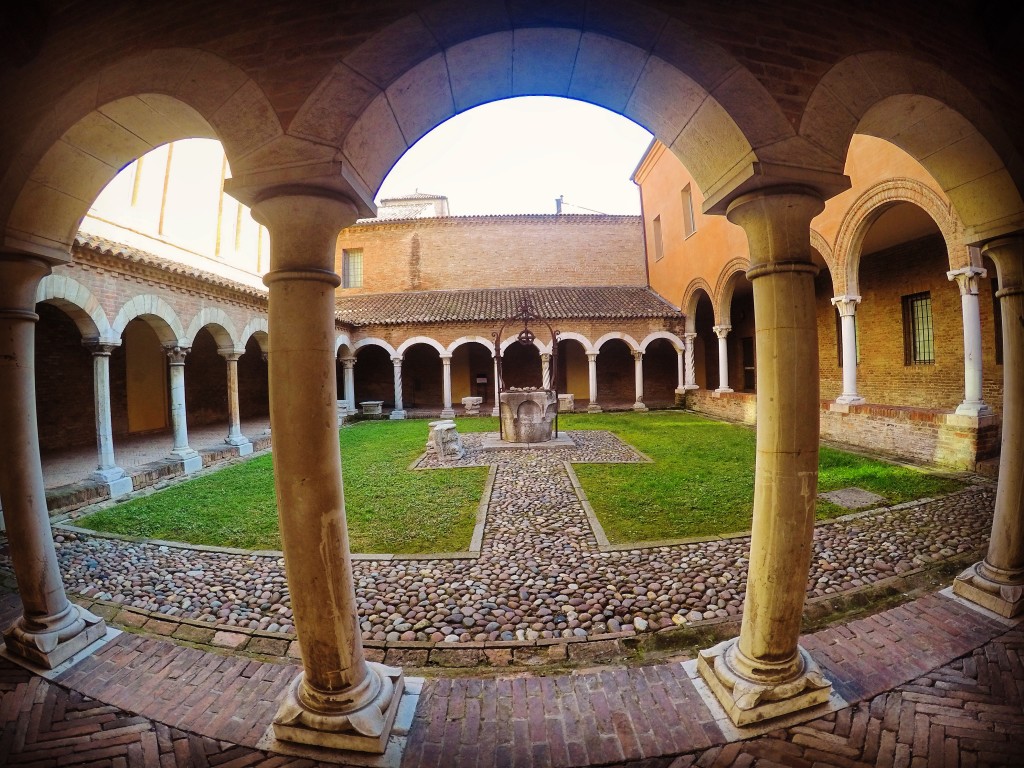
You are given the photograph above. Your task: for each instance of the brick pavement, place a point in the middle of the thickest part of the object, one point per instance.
(930, 682)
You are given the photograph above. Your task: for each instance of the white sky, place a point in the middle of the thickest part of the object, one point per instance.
(518, 155)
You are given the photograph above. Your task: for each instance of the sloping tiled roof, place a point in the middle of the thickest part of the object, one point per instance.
(136, 256)
(496, 304)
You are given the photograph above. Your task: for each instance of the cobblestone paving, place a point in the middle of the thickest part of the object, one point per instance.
(540, 573)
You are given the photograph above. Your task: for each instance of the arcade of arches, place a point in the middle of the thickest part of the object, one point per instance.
(314, 110)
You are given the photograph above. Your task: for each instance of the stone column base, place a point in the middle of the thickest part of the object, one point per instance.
(721, 391)
(53, 641)
(973, 409)
(365, 729)
(638, 406)
(749, 701)
(850, 400)
(190, 459)
(447, 413)
(1005, 599)
(689, 387)
(593, 408)
(396, 415)
(117, 482)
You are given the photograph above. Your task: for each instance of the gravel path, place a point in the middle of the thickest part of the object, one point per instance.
(540, 573)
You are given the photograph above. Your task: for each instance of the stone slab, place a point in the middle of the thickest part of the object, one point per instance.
(852, 498)
(109, 636)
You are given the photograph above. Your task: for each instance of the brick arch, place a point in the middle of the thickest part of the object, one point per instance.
(932, 116)
(220, 326)
(721, 299)
(617, 335)
(78, 303)
(670, 337)
(374, 342)
(488, 343)
(573, 336)
(421, 340)
(257, 327)
(690, 298)
(870, 205)
(115, 116)
(821, 245)
(158, 314)
(415, 74)
(342, 340)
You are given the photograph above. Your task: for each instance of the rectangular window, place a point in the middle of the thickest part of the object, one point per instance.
(689, 223)
(352, 268)
(659, 243)
(918, 341)
(997, 321)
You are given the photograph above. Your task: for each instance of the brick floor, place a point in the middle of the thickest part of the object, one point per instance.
(931, 683)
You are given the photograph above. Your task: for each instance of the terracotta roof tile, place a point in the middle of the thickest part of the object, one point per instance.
(495, 304)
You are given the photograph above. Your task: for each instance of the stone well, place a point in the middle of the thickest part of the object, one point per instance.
(528, 415)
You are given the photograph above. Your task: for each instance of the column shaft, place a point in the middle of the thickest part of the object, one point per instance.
(691, 367)
(638, 380)
(399, 411)
(51, 629)
(764, 673)
(846, 306)
(446, 385)
(340, 700)
(967, 281)
(496, 411)
(722, 332)
(348, 365)
(235, 436)
(997, 582)
(545, 371)
(593, 406)
(179, 420)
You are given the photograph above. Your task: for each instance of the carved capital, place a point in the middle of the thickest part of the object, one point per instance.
(967, 279)
(177, 354)
(846, 305)
(721, 331)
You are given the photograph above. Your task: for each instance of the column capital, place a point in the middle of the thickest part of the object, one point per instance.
(592, 356)
(446, 359)
(846, 304)
(101, 348)
(545, 356)
(231, 355)
(637, 354)
(177, 354)
(1008, 255)
(690, 335)
(21, 274)
(348, 362)
(721, 331)
(777, 223)
(967, 279)
(396, 360)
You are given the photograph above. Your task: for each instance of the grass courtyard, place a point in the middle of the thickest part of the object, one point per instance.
(700, 483)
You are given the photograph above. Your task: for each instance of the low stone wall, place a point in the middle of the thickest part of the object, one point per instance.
(920, 435)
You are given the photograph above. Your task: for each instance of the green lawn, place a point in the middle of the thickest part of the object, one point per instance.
(701, 483)
(389, 509)
(702, 480)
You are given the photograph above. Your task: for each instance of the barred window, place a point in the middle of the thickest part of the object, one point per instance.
(918, 339)
(352, 268)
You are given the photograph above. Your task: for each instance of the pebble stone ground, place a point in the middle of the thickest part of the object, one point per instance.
(540, 572)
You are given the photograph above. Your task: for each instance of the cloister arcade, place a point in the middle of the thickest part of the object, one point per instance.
(310, 132)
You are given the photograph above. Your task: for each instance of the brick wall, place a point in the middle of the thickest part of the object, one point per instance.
(206, 383)
(253, 383)
(64, 383)
(496, 252)
(882, 376)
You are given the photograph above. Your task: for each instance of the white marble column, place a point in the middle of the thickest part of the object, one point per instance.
(446, 385)
(722, 332)
(348, 365)
(997, 582)
(846, 306)
(51, 629)
(638, 379)
(545, 370)
(593, 406)
(764, 673)
(107, 471)
(399, 411)
(340, 700)
(691, 369)
(190, 459)
(967, 280)
(496, 411)
(235, 436)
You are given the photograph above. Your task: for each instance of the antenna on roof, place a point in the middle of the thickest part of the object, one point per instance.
(558, 203)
